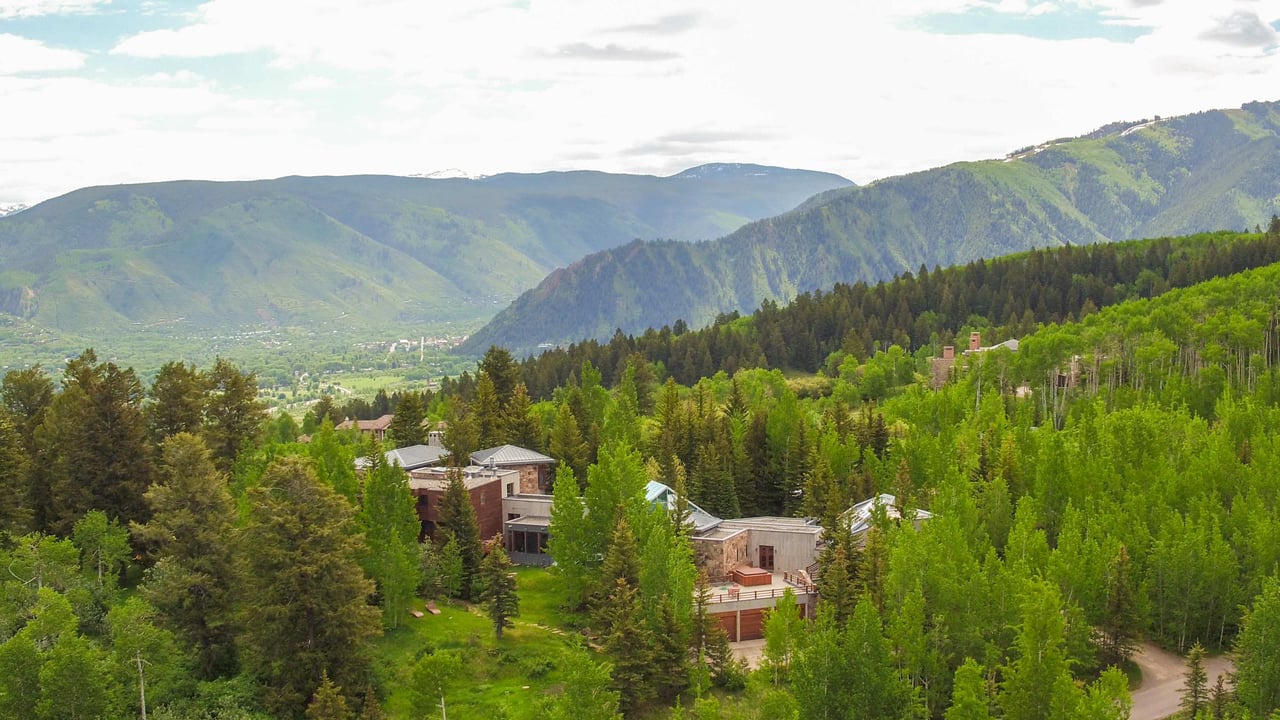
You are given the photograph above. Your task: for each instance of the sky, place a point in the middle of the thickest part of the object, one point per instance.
(96, 92)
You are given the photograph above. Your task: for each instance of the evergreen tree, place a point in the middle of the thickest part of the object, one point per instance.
(178, 396)
(621, 562)
(328, 702)
(566, 443)
(93, 445)
(1195, 689)
(15, 511)
(1120, 624)
(498, 589)
(669, 669)
(487, 414)
(520, 426)
(458, 517)
(452, 572)
(233, 416)
(304, 603)
(391, 526)
(502, 371)
(461, 435)
(192, 581)
(628, 643)
(406, 424)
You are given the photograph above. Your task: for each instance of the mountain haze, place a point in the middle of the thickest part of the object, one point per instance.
(1212, 170)
(355, 251)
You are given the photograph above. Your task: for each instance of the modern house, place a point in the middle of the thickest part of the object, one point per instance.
(428, 486)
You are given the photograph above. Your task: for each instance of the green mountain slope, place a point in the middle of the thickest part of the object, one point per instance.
(349, 251)
(1208, 171)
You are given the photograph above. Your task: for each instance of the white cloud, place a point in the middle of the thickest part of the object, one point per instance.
(312, 82)
(34, 8)
(404, 86)
(24, 55)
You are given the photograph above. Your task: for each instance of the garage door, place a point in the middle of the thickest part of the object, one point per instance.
(728, 622)
(752, 624)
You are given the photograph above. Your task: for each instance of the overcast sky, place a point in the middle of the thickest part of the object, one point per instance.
(112, 91)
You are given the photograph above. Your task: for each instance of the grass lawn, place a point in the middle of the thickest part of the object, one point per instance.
(511, 679)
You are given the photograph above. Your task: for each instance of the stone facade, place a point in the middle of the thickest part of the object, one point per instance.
(719, 553)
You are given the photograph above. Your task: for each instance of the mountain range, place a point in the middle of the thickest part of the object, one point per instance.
(353, 252)
(1155, 177)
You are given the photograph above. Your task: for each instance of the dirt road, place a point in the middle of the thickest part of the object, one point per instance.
(1162, 677)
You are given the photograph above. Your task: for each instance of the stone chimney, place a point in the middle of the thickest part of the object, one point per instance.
(975, 340)
(948, 352)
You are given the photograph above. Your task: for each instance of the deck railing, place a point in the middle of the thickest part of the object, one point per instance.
(736, 592)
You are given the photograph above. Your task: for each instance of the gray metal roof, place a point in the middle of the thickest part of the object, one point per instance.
(410, 458)
(506, 455)
(658, 494)
(859, 516)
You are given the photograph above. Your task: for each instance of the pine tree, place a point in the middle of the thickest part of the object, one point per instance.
(233, 416)
(406, 423)
(520, 426)
(1120, 622)
(178, 396)
(328, 702)
(1195, 689)
(566, 443)
(192, 581)
(458, 517)
(628, 643)
(487, 413)
(452, 571)
(621, 563)
(93, 445)
(304, 595)
(15, 512)
(498, 588)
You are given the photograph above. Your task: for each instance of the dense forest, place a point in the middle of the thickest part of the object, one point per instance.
(1114, 479)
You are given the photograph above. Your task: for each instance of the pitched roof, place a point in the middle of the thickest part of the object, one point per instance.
(655, 493)
(859, 516)
(507, 455)
(409, 458)
(381, 423)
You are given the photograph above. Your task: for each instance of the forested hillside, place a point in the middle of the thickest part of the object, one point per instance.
(1001, 298)
(1114, 480)
(349, 252)
(1209, 171)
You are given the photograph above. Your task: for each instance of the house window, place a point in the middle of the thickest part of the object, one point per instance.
(766, 557)
(512, 516)
(511, 489)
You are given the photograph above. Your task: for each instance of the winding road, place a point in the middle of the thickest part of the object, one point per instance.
(1162, 677)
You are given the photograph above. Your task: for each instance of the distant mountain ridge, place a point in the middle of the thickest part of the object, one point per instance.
(1213, 170)
(355, 251)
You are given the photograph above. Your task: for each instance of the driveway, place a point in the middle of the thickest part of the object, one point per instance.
(1162, 678)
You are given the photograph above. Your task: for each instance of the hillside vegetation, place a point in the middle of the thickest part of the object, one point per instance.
(1002, 298)
(348, 252)
(1209, 171)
